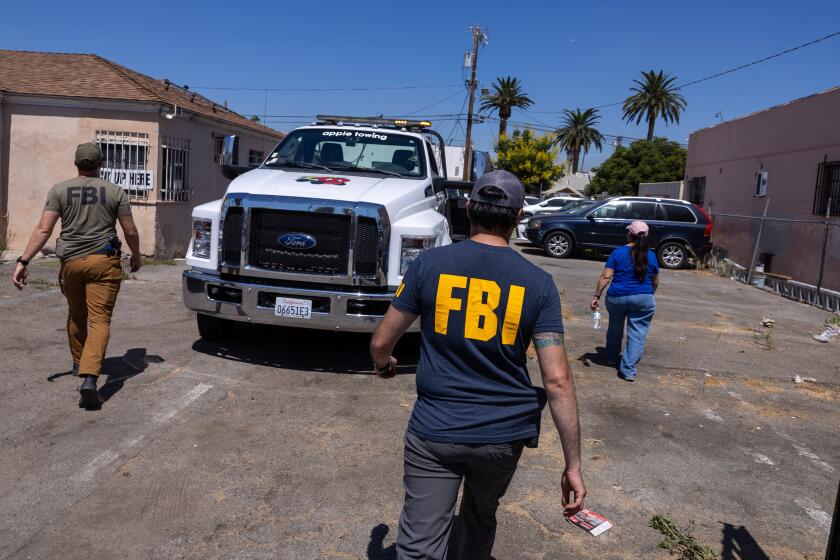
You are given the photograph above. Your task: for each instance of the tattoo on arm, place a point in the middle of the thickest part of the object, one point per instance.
(541, 340)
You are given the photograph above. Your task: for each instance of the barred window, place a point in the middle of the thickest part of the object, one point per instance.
(175, 170)
(125, 158)
(255, 158)
(828, 188)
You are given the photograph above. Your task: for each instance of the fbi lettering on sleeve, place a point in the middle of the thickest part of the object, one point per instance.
(481, 321)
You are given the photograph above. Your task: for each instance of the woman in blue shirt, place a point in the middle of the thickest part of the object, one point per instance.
(633, 274)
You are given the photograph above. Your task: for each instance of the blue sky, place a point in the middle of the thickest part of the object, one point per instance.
(567, 54)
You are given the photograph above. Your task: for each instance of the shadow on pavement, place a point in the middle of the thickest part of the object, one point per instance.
(120, 370)
(306, 349)
(375, 549)
(738, 544)
(598, 357)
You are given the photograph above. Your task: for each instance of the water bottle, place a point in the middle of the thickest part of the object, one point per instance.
(596, 319)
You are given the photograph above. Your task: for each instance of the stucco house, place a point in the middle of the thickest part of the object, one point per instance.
(161, 142)
(789, 155)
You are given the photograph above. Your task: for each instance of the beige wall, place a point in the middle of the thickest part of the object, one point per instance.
(38, 142)
(665, 189)
(789, 142)
(42, 141)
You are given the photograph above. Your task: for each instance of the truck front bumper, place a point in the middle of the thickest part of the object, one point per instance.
(253, 302)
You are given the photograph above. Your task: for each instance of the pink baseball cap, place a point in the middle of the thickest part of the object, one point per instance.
(638, 227)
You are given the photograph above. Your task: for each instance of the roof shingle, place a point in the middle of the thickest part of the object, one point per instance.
(91, 76)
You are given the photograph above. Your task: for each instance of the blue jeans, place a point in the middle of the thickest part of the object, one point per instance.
(637, 310)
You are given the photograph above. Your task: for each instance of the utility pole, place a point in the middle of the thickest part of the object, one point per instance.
(479, 38)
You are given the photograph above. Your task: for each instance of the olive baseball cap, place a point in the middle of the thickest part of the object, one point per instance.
(500, 188)
(88, 156)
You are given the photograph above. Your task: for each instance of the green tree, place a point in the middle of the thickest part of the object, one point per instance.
(507, 93)
(655, 96)
(578, 133)
(530, 157)
(644, 161)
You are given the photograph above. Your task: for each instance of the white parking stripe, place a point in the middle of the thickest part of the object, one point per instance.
(183, 402)
(813, 457)
(110, 455)
(815, 512)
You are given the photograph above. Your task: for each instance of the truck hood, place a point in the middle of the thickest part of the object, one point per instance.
(330, 186)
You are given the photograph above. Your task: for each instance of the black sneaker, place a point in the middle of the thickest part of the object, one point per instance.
(89, 395)
(75, 370)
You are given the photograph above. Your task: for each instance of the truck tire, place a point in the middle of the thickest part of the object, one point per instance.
(558, 244)
(672, 254)
(214, 328)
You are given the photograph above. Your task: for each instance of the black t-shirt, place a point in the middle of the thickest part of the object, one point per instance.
(479, 306)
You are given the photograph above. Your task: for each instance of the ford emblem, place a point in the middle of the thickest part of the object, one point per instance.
(297, 241)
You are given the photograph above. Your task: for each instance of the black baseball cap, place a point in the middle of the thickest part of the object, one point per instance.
(88, 156)
(500, 188)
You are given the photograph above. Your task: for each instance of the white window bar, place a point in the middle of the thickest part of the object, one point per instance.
(125, 150)
(175, 170)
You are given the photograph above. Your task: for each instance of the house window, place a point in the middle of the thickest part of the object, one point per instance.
(697, 190)
(125, 158)
(828, 188)
(761, 183)
(175, 170)
(255, 158)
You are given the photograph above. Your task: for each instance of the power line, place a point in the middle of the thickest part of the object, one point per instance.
(384, 88)
(765, 59)
(725, 72)
(447, 98)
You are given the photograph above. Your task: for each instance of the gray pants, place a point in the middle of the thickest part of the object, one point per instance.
(433, 473)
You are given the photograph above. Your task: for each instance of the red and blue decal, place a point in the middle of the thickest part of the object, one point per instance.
(323, 180)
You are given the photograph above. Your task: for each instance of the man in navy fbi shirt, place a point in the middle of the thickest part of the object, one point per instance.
(480, 305)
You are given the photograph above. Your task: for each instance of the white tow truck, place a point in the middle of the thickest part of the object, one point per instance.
(320, 235)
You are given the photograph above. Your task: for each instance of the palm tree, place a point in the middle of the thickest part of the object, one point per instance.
(507, 93)
(579, 133)
(655, 96)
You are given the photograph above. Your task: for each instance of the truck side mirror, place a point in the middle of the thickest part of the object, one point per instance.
(230, 150)
(229, 158)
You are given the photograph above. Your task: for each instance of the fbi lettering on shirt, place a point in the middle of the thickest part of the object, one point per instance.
(479, 310)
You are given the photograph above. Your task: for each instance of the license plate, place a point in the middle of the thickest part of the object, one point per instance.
(293, 308)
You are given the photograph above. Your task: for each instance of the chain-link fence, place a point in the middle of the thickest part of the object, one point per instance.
(798, 258)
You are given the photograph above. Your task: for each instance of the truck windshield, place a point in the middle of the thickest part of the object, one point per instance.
(345, 149)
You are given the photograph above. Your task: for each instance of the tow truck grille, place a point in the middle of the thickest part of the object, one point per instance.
(232, 237)
(329, 256)
(367, 247)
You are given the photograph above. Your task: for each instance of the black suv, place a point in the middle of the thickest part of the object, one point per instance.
(678, 229)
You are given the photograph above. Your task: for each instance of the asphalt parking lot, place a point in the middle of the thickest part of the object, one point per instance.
(280, 444)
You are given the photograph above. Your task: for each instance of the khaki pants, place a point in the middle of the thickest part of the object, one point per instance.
(90, 285)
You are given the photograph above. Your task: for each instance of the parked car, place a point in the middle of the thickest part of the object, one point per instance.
(679, 230)
(530, 200)
(571, 207)
(549, 205)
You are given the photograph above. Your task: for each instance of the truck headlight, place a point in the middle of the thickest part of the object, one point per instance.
(412, 246)
(201, 238)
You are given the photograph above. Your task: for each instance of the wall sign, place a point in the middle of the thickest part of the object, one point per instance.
(129, 179)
